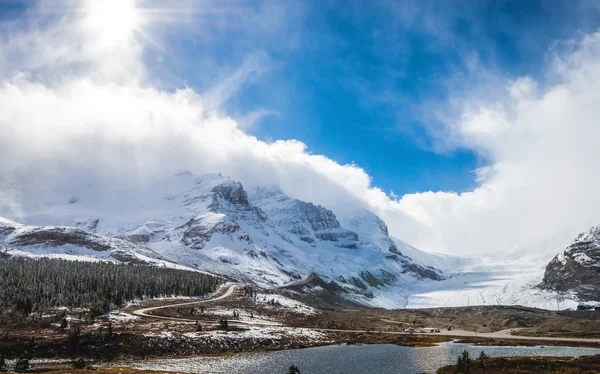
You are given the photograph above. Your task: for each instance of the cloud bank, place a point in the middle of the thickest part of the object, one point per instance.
(76, 111)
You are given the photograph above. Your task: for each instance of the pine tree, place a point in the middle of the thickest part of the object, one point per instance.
(28, 308)
(79, 363)
(64, 323)
(482, 357)
(223, 323)
(31, 286)
(459, 367)
(293, 369)
(3, 366)
(463, 363)
(22, 365)
(75, 338)
(198, 326)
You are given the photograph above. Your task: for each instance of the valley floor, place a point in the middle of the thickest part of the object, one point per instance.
(483, 282)
(263, 321)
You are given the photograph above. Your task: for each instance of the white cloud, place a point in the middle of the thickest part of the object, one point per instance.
(544, 172)
(71, 113)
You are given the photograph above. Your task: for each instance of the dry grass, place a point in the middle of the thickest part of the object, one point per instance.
(530, 365)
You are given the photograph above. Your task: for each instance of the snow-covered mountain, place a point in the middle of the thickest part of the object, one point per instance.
(577, 269)
(211, 223)
(75, 244)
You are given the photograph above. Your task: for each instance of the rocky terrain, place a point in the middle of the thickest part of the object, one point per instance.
(525, 365)
(73, 243)
(212, 223)
(577, 269)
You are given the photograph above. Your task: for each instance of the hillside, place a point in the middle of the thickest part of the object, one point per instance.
(211, 223)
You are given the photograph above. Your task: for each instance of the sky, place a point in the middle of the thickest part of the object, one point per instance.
(468, 126)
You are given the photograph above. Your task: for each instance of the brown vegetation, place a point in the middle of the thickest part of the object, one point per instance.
(526, 365)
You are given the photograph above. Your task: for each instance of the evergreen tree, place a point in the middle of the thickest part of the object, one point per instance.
(482, 357)
(79, 363)
(28, 307)
(3, 366)
(293, 369)
(30, 285)
(75, 338)
(64, 323)
(463, 363)
(223, 323)
(22, 365)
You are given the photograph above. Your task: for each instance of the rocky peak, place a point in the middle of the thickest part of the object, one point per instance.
(7, 227)
(316, 216)
(232, 192)
(577, 269)
(274, 200)
(309, 222)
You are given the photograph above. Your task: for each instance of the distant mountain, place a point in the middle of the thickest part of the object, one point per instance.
(211, 223)
(73, 243)
(577, 269)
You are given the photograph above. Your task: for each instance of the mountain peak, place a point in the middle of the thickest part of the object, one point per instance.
(577, 269)
(232, 192)
(211, 223)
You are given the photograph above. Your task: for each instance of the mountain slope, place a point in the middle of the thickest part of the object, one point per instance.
(73, 243)
(212, 223)
(577, 269)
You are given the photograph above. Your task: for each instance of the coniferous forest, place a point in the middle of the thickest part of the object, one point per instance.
(28, 286)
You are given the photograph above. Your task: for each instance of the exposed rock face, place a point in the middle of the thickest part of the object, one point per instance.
(72, 242)
(577, 269)
(232, 192)
(6, 229)
(316, 291)
(317, 217)
(423, 272)
(197, 231)
(211, 223)
(311, 223)
(59, 236)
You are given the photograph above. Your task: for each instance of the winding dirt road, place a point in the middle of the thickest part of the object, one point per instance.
(145, 311)
(502, 334)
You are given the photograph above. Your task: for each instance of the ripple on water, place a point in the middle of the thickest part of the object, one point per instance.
(342, 359)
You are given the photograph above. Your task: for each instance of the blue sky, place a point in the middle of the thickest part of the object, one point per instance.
(350, 78)
(357, 80)
(490, 105)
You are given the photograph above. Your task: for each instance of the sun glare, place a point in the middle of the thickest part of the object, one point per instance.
(113, 22)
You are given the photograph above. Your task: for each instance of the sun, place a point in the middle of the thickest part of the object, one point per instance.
(112, 22)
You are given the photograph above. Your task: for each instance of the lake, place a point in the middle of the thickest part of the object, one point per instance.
(349, 359)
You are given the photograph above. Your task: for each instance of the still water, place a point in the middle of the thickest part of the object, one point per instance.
(342, 359)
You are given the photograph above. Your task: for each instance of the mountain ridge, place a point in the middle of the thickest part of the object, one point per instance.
(577, 268)
(211, 223)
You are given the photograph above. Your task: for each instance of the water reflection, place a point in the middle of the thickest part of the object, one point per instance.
(340, 359)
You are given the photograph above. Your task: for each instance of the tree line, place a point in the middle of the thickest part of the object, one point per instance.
(33, 285)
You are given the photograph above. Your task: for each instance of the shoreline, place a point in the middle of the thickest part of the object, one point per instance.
(125, 347)
(133, 365)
